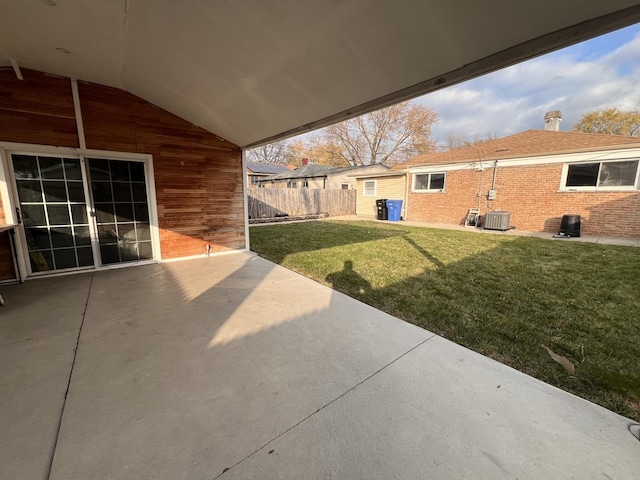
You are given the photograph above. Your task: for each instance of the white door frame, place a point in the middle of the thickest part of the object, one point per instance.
(9, 196)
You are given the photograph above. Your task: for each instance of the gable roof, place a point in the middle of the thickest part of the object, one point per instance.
(525, 144)
(267, 168)
(312, 171)
(306, 171)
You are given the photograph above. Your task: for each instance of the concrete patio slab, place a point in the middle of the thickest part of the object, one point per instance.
(234, 367)
(444, 412)
(186, 368)
(627, 242)
(37, 342)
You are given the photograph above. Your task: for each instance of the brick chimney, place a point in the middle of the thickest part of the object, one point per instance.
(305, 161)
(552, 120)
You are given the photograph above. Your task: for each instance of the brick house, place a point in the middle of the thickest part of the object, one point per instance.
(538, 176)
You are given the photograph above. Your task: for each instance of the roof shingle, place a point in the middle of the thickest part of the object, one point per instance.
(525, 144)
(269, 168)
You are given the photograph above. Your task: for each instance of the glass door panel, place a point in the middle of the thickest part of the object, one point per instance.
(54, 212)
(121, 210)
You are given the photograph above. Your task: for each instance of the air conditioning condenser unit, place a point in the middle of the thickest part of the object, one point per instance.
(497, 220)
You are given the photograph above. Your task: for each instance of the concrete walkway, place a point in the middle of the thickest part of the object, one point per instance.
(235, 368)
(630, 242)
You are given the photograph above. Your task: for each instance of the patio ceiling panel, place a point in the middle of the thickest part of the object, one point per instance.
(253, 70)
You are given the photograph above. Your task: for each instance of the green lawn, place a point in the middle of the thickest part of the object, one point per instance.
(502, 296)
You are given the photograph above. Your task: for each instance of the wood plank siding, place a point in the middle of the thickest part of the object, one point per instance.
(198, 176)
(7, 269)
(38, 109)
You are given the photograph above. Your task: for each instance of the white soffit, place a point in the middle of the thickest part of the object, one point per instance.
(253, 70)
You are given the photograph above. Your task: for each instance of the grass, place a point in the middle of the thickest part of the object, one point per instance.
(502, 296)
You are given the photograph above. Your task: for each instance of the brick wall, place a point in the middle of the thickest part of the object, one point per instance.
(532, 196)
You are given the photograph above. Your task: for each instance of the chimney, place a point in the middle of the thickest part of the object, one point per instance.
(552, 120)
(305, 161)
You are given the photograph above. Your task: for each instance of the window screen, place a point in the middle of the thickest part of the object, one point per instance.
(370, 188)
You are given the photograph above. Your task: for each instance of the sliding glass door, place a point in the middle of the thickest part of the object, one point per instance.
(53, 209)
(82, 213)
(122, 212)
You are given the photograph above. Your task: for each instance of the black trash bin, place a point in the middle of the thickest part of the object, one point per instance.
(383, 212)
(570, 226)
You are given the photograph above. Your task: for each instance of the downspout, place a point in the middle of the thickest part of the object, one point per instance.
(495, 173)
(406, 192)
(479, 194)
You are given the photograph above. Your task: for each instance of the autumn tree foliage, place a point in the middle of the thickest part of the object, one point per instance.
(386, 136)
(611, 121)
(276, 152)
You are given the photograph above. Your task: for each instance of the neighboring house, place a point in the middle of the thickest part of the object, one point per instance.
(257, 170)
(537, 175)
(389, 185)
(344, 178)
(318, 176)
(93, 176)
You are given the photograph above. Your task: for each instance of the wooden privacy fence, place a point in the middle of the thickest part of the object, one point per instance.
(271, 202)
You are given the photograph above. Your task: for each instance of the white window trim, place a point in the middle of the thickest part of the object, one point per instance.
(626, 188)
(342, 184)
(10, 148)
(364, 188)
(430, 190)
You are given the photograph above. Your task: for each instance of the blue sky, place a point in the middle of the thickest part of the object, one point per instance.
(602, 72)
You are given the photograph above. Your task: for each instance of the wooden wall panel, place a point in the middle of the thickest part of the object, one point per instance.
(7, 269)
(198, 175)
(38, 109)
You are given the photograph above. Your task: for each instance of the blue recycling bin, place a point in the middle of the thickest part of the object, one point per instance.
(395, 209)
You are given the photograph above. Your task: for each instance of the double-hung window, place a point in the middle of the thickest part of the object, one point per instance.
(617, 174)
(428, 182)
(369, 188)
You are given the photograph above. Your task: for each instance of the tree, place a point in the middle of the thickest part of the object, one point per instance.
(277, 152)
(455, 141)
(611, 121)
(386, 136)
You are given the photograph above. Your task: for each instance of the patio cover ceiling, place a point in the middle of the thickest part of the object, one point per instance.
(254, 71)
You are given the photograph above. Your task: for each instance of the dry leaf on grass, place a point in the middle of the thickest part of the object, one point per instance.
(564, 361)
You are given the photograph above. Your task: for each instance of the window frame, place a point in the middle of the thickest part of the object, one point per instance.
(292, 184)
(598, 188)
(364, 188)
(345, 186)
(429, 189)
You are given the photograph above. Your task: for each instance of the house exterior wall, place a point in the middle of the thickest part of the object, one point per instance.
(314, 182)
(7, 268)
(198, 176)
(334, 181)
(451, 205)
(392, 188)
(532, 195)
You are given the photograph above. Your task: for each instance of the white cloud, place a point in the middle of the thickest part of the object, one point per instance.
(515, 99)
